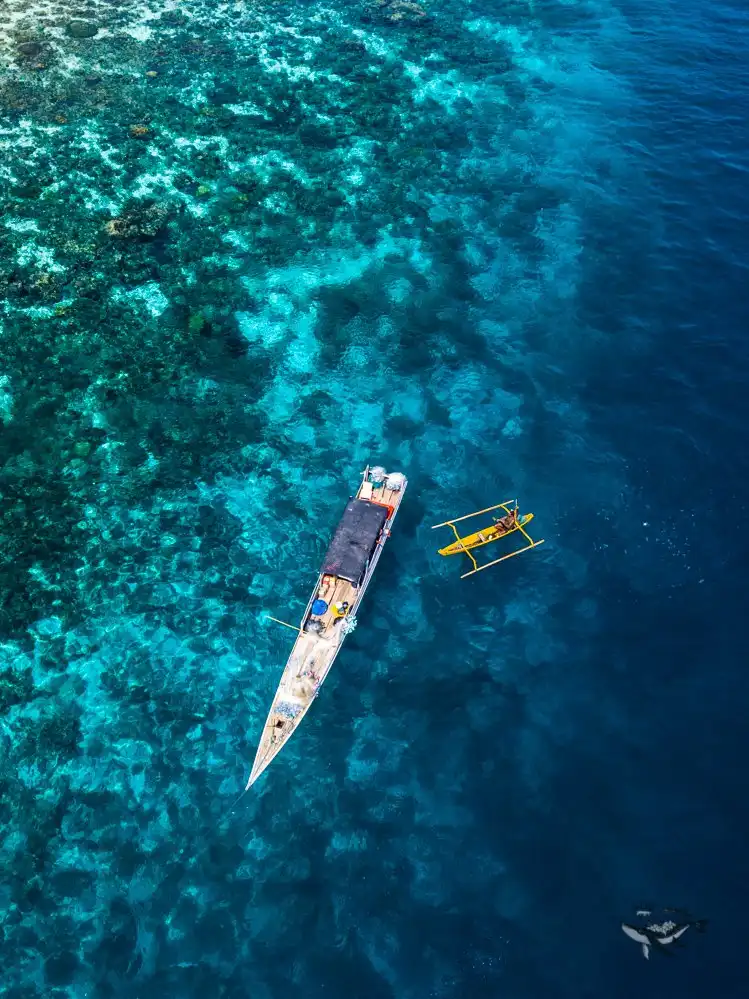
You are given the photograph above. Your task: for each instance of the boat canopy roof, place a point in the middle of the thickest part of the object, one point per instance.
(355, 539)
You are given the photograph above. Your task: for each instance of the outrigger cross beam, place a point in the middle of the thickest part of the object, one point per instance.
(500, 528)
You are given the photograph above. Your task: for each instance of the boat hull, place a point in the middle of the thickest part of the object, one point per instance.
(330, 614)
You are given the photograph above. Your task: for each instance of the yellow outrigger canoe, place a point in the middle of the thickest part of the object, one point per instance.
(486, 536)
(501, 528)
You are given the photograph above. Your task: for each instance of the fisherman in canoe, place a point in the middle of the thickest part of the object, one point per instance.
(508, 523)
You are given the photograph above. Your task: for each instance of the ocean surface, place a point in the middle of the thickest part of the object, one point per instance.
(246, 248)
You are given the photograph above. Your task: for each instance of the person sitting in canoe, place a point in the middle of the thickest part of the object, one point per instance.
(508, 523)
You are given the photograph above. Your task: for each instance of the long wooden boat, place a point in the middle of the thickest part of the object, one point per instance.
(330, 614)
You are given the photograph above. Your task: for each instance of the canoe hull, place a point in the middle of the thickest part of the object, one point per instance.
(486, 536)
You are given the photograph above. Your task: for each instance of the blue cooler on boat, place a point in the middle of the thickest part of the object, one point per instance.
(319, 607)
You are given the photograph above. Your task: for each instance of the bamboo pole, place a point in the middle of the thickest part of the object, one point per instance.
(446, 523)
(503, 558)
(463, 547)
(524, 533)
(292, 626)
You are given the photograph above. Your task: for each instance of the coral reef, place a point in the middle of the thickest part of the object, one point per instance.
(144, 218)
(396, 11)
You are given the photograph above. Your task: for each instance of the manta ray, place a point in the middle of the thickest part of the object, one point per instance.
(660, 935)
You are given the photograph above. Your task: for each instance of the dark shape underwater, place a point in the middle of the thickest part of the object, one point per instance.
(661, 928)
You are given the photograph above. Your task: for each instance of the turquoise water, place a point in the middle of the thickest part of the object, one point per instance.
(247, 250)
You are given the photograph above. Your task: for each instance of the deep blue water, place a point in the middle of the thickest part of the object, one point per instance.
(502, 248)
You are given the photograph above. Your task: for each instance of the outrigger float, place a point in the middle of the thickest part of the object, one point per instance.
(501, 527)
(330, 614)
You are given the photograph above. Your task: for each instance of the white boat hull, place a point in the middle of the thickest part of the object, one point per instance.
(321, 636)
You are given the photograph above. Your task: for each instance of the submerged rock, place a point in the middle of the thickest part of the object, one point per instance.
(82, 29)
(399, 11)
(117, 227)
(60, 969)
(140, 221)
(354, 45)
(16, 687)
(29, 49)
(197, 322)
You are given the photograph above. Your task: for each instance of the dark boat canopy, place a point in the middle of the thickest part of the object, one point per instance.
(355, 539)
